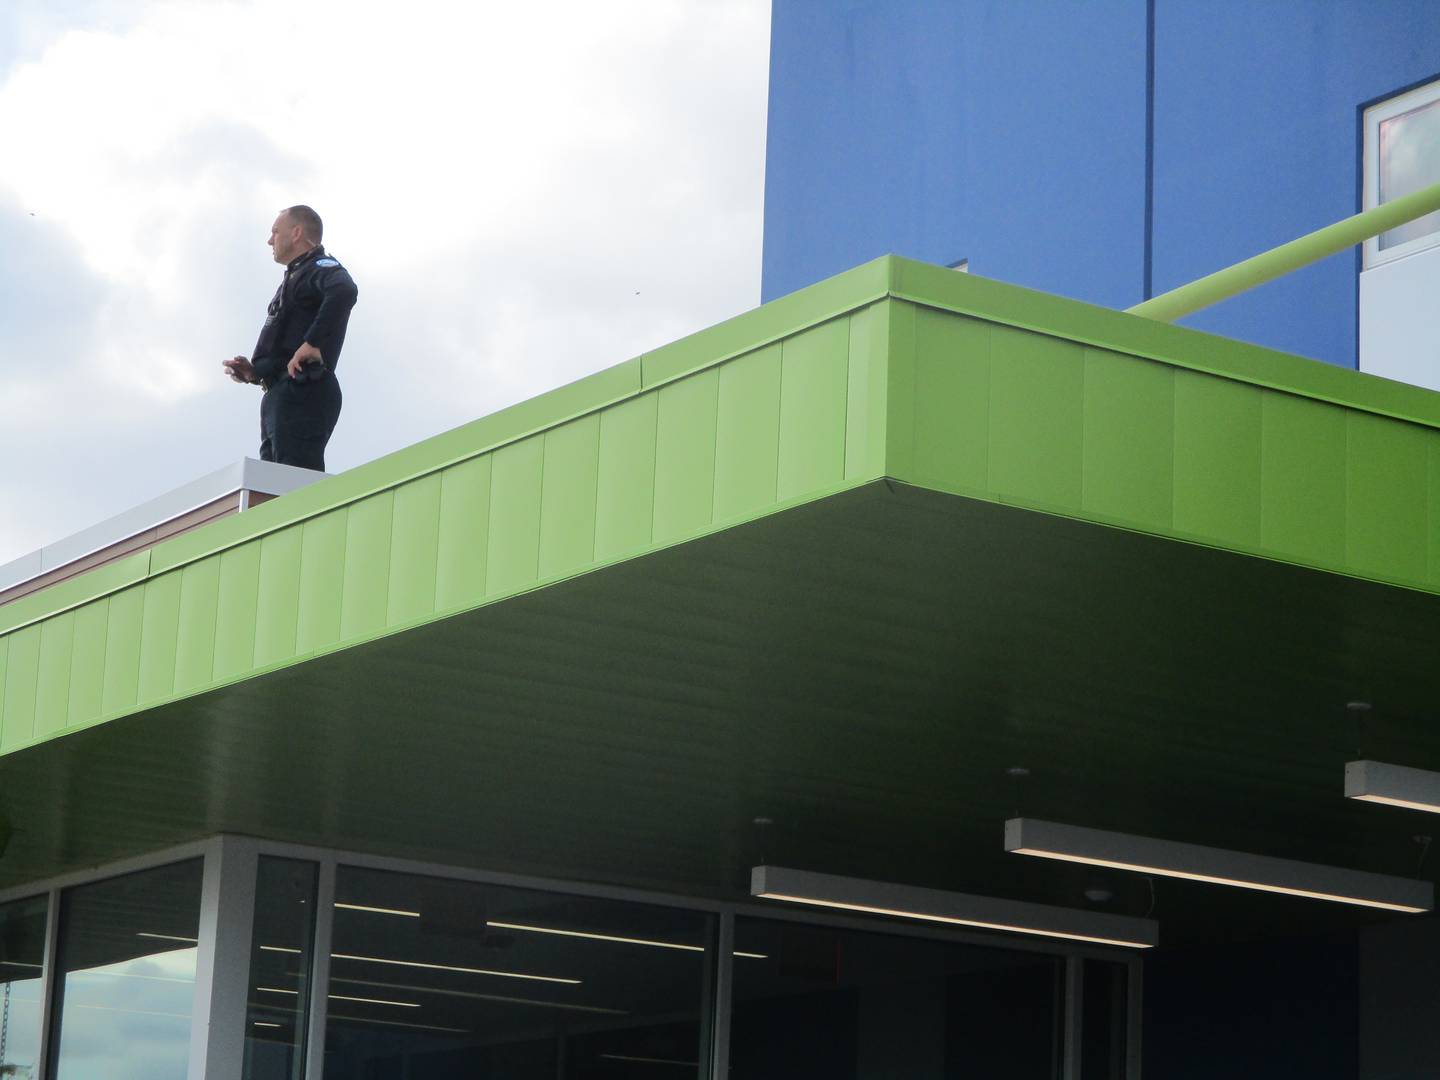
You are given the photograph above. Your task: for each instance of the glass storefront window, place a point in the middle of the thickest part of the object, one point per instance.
(829, 1004)
(440, 979)
(1104, 1013)
(22, 960)
(125, 978)
(280, 962)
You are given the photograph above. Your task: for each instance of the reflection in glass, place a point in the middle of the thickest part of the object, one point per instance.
(815, 1002)
(279, 987)
(125, 978)
(447, 979)
(22, 957)
(1409, 161)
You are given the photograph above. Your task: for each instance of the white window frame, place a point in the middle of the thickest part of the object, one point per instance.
(1374, 116)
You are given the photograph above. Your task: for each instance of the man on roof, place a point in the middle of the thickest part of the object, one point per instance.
(299, 347)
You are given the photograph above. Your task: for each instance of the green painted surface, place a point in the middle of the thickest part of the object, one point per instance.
(1128, 465)
(747, 434)
(277, 603)
(414, 550)
(685, 456)
(52, 689)
(22, 671)
(122, 646)
(322, 581)
(365, 590)
(87, 668)
(869, 377)
(159, 634)
(1302, 478)
(235, 615)
(1217, 458)
(464, 516)
(199, 608)
(1387, 502)
(1277, 262)
(513, 557)
(567, 496)
(625, 478)
(1036, 418)
(944, 381)
(814, 383)
(952, 400)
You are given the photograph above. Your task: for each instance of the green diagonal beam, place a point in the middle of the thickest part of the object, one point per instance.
(1233, 280)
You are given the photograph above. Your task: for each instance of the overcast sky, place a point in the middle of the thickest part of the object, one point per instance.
(524, 194)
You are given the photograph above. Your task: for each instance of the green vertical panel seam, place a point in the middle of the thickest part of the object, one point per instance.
(1080, 406)
(1174, 448)
(100, 663)
(714, 447)
(655, 459)
(215, 619)
(35, 683)
(69, 668)
(540, 505)
(845, 418)
(299, 528)
(594, 502)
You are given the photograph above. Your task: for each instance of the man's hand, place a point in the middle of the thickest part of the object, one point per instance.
(303, 355)
(240, 369)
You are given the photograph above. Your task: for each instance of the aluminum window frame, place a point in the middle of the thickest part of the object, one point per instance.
(1371, 119)
(228, 894)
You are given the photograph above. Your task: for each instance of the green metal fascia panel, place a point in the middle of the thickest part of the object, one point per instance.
(894, 369)
(1054, 423)
(102, 581)
(778, 319)
(1134, 335)
(626, 474)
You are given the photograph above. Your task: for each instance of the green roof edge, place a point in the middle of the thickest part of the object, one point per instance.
(887, 276)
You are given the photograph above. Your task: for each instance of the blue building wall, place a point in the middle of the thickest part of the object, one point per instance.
(1089, 149)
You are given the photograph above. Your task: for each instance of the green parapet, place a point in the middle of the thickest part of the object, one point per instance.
(1277, 262)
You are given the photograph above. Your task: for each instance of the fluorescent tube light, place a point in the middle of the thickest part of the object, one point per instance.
(959, 909)
(1393, 785)
(375, 1001)
(528, 928)
(593, 937)
(378, 910)
(167, 937)
(398, 1023)
(267, 1023)
(472, 995)
(452, 967)
(1121, 851)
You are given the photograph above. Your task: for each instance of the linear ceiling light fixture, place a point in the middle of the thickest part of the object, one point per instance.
(1394, 785)
(1166, 858)
(959, 909)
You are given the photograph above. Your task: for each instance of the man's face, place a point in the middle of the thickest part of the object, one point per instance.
(286, 239)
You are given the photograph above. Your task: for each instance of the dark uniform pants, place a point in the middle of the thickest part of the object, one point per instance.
(296, 420)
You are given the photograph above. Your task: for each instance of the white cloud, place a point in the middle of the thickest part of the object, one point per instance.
(524, 194)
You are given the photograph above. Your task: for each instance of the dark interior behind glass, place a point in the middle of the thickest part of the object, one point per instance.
(816, 1003)
(438, 978)
(278, 992)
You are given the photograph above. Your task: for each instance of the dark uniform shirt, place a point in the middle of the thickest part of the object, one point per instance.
(311, 305)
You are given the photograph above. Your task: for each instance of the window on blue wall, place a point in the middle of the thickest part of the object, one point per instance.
(1402, 155)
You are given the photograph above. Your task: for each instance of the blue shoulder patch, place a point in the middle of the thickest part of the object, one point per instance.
(326, 262)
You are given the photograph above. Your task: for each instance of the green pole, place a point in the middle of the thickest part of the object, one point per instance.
(1233, 280)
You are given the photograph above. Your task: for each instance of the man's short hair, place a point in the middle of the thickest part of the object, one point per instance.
(309, 222)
